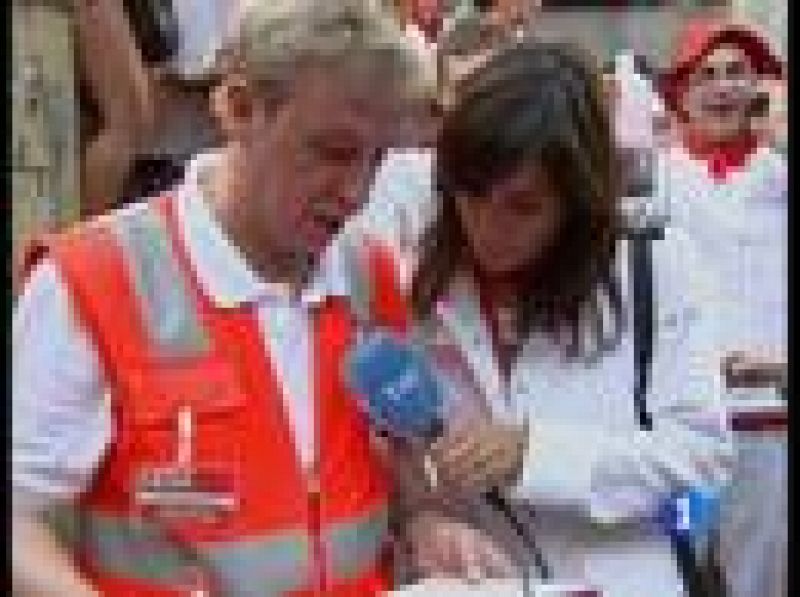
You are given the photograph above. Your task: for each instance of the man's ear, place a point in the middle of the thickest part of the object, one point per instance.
(232, 103)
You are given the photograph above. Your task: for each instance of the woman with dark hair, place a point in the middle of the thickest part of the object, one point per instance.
(522, 294)
(545, 150)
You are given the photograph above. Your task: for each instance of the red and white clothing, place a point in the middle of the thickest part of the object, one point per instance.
(184, 385)
(731, 198)
(62, 421)
(738, 218)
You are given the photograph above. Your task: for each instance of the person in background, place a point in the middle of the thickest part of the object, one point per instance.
(641, 131)
(513, 15)
(521, 290)
(725, 185)
(421, 22)
(143, 103)
(470, 37)
(116, 43)
(144, 94)
(177, 363)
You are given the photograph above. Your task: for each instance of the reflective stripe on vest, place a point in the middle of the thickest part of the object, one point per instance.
(140, 550)
(168, 309)
(357, 272)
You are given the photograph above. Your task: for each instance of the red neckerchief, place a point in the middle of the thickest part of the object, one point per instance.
(722, 158)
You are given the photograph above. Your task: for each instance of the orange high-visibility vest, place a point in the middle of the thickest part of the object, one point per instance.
(164, 346)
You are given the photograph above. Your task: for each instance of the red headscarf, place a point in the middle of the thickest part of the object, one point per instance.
(699, 39)
(427, 15)
(703, 36)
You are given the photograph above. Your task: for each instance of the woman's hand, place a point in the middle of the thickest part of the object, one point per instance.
(442, 547)
(476, 455)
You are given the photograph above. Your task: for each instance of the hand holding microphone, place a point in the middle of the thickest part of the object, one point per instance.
(403, 396)
(478, 456)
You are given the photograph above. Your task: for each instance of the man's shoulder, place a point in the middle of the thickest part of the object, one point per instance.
(770, 168)
(406, 162)
(404, 182)
(90, 249)
(107, 221)
(44, 249)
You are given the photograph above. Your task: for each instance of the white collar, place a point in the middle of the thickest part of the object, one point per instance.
(222, 269)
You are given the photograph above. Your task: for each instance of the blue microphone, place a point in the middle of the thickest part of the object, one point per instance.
(398, 387)
(403, 396)
(689, 515)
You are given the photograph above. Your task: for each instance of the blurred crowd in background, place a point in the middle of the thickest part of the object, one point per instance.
(142, 76)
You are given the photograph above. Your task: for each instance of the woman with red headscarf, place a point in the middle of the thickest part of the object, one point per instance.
(727, 187)
(717, 89)
(725, 184)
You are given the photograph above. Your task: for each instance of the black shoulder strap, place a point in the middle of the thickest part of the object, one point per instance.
(644, 319)
(700, 578)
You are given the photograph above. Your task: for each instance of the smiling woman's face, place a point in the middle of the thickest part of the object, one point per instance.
(720, 92)
(515, 224)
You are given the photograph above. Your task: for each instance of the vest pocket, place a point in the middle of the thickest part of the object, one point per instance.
(184, 435)
(210, 387)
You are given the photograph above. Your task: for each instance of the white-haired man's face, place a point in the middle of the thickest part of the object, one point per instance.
(306, 164)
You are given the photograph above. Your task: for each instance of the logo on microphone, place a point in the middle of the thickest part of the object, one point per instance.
(402, 387)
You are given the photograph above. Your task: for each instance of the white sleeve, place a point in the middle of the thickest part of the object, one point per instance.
(401, 205)
(617, 472)
(61, 420)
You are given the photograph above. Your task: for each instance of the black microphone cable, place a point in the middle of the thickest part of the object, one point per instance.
(495, 499)
(500, 503)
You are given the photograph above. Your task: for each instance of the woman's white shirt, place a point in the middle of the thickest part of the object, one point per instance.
(586, 448)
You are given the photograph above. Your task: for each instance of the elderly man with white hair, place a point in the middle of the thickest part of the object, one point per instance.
(177, 364)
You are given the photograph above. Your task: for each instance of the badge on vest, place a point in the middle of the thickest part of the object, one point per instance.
(186, 489)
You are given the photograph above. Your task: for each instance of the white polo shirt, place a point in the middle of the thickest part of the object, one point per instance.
(61, 415)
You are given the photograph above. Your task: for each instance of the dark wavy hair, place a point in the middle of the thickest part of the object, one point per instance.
(535, 103)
